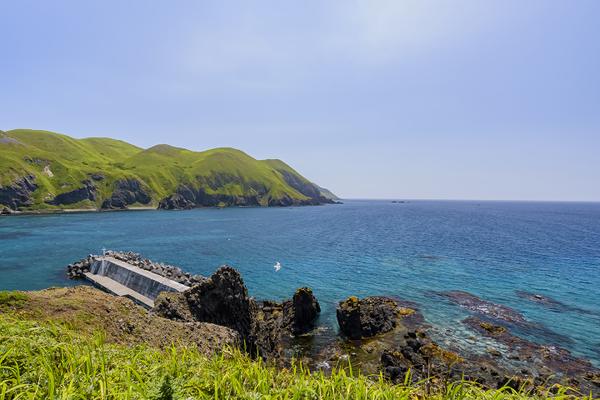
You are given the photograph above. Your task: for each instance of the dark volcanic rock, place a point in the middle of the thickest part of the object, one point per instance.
(504, 315)
(186, 197)
(367, 317)
(127, 192)
(87, 192)
(97, 176)
(275, 323)
(305, 310)
(223, 299)
(19, 194)
(552, 363)
(484, 307)
(425, 360)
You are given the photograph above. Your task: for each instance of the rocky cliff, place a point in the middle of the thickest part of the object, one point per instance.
(45, 171)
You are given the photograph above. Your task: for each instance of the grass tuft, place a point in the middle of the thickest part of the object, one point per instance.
(12, 298)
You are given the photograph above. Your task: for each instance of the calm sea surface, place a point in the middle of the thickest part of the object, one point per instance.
(409, 250)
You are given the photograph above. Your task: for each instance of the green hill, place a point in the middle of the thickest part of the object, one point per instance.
(41, 170)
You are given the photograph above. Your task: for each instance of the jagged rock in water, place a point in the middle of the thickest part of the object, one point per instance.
(367, 317)
(275, 323)
(127, 192)
(19, 194)
(304, 311)
(87, 192)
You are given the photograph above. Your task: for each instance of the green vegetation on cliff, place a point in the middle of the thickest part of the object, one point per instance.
(42, 170)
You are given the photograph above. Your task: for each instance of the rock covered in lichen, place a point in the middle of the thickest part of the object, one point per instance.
(368, 317)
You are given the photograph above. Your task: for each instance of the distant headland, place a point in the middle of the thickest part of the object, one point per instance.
(43, 171)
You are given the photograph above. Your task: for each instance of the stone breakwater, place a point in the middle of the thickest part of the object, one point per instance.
(77, 269)
(376, 334)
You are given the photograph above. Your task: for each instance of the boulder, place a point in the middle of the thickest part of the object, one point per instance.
(367, 317)
(305, 310)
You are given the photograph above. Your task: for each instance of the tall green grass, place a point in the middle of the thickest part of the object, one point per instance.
(44, 361)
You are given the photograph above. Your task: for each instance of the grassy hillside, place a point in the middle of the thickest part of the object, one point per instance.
(72, 356)
(41, 170)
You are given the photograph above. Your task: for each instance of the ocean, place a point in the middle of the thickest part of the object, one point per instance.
(411, 250)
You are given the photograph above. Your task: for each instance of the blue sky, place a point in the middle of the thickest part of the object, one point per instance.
(372, 99)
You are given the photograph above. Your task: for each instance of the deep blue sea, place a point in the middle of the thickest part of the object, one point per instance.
(409, 250)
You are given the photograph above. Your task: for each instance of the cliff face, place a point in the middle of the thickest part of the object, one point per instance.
(42, 170)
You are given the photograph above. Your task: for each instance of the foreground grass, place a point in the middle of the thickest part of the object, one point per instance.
(46, 361)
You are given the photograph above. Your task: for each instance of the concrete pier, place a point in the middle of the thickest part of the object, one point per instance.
(123, 279)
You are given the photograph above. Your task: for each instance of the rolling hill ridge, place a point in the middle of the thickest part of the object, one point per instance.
(46, 171)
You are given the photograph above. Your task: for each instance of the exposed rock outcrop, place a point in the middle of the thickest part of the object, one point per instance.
(186, 196)
(87, 192)
(19, 194)
(223, 299)
(368, 317)
(303, 310)
(127, 192)
(275, 324)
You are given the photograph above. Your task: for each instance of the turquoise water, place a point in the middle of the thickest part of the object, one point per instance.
(409, 250)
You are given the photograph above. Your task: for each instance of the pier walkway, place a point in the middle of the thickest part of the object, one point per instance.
(124, 279)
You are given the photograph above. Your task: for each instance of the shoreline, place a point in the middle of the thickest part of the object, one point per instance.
(95, 210)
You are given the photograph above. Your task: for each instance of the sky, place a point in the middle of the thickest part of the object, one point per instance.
(415, 99)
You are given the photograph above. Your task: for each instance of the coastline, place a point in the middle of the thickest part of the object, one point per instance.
(143, 208)
(378, 335)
